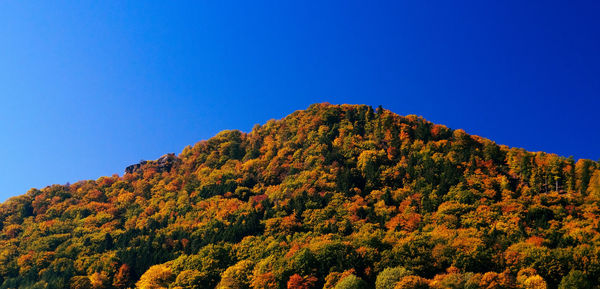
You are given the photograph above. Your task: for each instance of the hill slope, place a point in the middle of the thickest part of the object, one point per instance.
(333, 196)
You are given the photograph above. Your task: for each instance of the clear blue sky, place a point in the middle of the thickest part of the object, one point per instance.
(88, 88)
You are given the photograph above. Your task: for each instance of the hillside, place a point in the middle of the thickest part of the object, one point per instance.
(335, 196)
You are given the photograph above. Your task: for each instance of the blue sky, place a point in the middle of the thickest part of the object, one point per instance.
(89, 87)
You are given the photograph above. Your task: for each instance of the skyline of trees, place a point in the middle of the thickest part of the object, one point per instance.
(335, 196)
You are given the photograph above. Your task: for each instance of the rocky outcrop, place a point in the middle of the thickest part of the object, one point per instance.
(162, 164)
(166, 162)
(134, 168)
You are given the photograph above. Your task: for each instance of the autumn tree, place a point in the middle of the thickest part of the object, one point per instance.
(123, 277)
(156, 277)
(298, 282)
(81, 282)
(412, 282)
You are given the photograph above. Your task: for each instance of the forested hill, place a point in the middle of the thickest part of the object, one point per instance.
(335, 196)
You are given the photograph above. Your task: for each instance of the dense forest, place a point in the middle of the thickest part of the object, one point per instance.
(335, 196)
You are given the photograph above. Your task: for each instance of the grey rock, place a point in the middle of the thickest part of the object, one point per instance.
(163, 164)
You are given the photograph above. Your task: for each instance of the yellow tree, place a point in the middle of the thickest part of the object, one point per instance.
(156, 277)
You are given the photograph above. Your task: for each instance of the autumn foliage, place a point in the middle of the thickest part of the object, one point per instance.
(335, 196)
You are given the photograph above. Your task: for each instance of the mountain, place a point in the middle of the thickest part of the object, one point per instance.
(335, 196)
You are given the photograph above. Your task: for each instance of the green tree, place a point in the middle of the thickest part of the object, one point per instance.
(388, 278)
(188, 279)
(351, 282)
(575, 279)
(237, 276)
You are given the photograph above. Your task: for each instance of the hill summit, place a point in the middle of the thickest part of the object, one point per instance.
(334, 196)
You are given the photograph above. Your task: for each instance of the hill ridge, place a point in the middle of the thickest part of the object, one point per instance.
(331, 196)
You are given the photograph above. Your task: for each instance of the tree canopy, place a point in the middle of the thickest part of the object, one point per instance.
(335, 196)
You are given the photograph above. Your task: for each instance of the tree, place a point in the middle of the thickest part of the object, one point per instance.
(453, 279)
(368, 163)
(412, 282)
(575, 279)
(536, 282)
(388, 278)
(332, 279)
(188, 279)
(298, 282)
(493, 280)
(156, 277)
(351, 282)
(263, 281)
(123, 277)
(99, 280)
(237, 276)
(304, 261)
(594, 186)
(81, 282)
